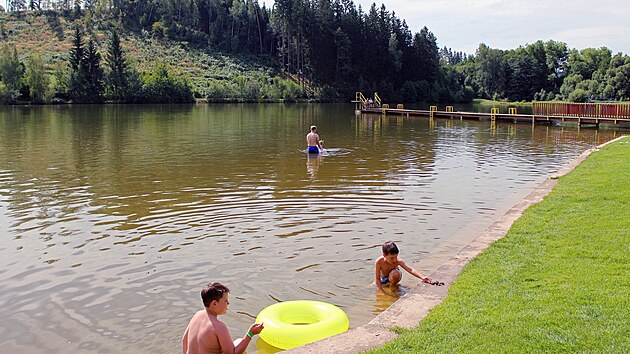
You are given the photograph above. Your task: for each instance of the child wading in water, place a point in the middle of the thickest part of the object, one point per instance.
(386, 267)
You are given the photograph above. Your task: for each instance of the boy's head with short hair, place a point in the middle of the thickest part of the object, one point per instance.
(390, 247)
(213, 292)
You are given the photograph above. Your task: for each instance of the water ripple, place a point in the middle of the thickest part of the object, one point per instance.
(112, 224)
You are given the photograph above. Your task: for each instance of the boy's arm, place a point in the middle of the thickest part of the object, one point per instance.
(254, 329)
(225, 340)
(413, 271)
(185, 341)
(242, 346)
(377, 275)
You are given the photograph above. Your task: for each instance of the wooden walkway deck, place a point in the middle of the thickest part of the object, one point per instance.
(516, 118)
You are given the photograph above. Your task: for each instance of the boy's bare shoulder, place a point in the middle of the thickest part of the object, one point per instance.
(199, 315)
(220, 326)
(379, 260)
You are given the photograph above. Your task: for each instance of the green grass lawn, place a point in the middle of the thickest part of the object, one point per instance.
(559, 281)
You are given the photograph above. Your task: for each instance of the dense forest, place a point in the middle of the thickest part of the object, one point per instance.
(322, 50)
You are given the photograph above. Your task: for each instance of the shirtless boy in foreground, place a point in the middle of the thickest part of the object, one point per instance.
(205, 334)
(387, 271)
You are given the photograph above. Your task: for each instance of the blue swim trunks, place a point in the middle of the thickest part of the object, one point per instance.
(385, 280)
(313, 150)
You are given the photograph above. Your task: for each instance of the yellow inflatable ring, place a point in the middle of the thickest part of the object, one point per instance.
(290, 324)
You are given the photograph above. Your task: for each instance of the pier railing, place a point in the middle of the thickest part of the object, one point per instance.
(360, 99)
(594, 110)
(362, 102)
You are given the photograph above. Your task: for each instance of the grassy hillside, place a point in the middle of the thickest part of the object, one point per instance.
(50, 35)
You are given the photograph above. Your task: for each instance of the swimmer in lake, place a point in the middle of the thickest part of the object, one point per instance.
(315, 145)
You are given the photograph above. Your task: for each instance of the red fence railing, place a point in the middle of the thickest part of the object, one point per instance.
(594, 110)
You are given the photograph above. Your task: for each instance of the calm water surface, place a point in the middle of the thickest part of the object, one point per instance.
(113, 217)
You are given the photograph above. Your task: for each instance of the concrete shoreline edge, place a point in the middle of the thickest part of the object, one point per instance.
(410, 309)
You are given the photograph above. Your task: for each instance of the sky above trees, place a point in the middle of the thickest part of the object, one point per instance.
(507, 24)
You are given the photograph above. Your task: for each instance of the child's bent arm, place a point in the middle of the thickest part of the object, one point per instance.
(414, 272)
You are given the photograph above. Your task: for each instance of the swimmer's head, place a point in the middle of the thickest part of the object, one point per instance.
(313, 128)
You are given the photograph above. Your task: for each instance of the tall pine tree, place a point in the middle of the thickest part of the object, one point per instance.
(78, 80)
(93, 73)
(118, 75)
(86, 77)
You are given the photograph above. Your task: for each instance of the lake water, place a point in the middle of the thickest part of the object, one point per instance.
(112, 218)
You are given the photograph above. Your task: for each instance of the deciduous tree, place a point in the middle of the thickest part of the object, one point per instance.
(36, 79)
(11, 69)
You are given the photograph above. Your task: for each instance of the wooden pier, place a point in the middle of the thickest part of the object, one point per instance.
(616, 114)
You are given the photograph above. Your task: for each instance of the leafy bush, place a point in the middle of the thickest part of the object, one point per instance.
(579, 95)
(160, 86)
(253, 89)
(291, 91)
(272, 90)
(159, 30)
(7, 95)
(326, 93)
(468, 94)
(250, 90)
(217, 92)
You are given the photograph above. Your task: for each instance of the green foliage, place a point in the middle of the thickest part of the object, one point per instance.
(618, 78)
(60, 82)
(86, 76)
(253, 89)
(521, 75)
(11, 69)
(417, 91)
(491, 71)
(7, 95)
(217, 92)
(118, 70)
(37, 79)
(291, 91)
(93, 73)
(329, 49)
(326, 93)
(546, 71)
(579, 95)
(78, 80)
(162, 86)
(159, 30)
(543, 95)
(556, 283)
(588, 61)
